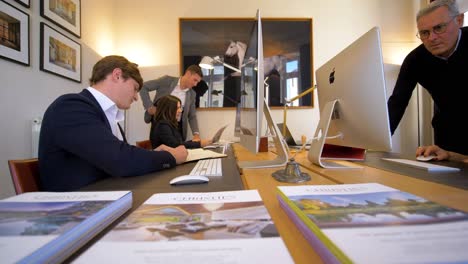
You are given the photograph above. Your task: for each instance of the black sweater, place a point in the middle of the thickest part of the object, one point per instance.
(163, 132)
(447, 82)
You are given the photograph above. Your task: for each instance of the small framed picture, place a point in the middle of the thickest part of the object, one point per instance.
(65, 13)
(23, 2)
(14, 34)
(60, 55)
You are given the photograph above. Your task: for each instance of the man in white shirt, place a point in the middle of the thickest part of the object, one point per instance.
(181, 88)
(113, 114)
(80, 142)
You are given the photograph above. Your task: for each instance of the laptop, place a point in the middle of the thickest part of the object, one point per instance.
(218, 134)
(288, 137)
(215, 139)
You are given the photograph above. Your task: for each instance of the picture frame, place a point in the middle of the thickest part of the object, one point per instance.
(25, 3)
(64, 13)
(14, 34)
(59, 54)
(287, 46)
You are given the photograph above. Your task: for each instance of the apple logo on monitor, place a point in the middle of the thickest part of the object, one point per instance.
(331, 79)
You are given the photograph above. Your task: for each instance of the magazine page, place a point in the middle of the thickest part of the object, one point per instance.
(393, 226)
(217, 227)
(199, 153)
(35, 219)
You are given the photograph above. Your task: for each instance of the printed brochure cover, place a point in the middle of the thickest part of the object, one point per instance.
(48, 227)
(392, 226)
(216, 227)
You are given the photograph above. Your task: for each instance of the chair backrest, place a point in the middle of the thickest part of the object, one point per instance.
(146, 144)
(25, 175)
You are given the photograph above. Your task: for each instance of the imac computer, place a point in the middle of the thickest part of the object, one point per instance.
(253, 105)
(353, 104)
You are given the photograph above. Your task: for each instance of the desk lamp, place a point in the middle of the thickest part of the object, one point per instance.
(288, 101)
(207, 63)
(292, 172)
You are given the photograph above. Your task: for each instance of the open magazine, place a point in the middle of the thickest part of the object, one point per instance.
(209, 228)
(199, 153)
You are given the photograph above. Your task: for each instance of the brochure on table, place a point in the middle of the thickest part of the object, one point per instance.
(373, 223)
(217, 227)
(47, 227)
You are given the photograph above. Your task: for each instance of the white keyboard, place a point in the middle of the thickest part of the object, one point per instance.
(423, 165)
(208, 167)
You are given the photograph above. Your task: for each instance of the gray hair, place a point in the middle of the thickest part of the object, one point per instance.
(450, 4)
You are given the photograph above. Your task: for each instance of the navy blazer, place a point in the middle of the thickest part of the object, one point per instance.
(77, 147)
(164, 133)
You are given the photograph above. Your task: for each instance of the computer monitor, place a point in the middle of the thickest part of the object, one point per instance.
(253, 105)
(353, 104)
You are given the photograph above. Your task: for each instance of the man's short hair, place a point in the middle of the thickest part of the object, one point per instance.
(450, 4)
(107, 64)
(195, 69)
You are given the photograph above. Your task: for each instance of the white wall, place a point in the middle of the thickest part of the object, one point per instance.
(336, 23)
(26, 91)
(146, 32)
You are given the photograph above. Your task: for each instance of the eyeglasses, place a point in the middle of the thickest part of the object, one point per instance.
(437, 29)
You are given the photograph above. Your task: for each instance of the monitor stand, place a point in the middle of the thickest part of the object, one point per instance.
(282, 156)
(320, 152)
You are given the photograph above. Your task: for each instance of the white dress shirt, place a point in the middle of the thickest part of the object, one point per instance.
(180, 93)
(113, 114)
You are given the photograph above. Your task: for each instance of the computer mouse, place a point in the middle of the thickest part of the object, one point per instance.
(427, 158)
(189, 179)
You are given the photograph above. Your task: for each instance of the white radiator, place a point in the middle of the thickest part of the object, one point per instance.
(36, 129)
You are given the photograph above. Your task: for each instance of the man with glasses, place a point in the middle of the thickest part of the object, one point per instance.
(440, 65)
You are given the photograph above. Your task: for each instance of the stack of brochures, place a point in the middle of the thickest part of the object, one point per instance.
(373, 223)
(216, 227)
(46, 227)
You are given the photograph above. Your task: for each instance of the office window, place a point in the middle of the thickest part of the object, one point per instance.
(215, 79)
(292, 86)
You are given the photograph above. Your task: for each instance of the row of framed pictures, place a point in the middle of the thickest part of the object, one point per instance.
(59, 54)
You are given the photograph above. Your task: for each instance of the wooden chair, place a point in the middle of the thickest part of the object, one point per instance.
(146, 144)
(25, 175)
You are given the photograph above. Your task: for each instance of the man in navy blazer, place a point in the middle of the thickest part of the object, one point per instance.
(181, 88)
(80, 141)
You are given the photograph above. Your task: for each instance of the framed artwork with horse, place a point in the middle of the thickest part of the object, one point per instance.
(287, 48)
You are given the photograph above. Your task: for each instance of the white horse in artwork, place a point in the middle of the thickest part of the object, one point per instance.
(236, 48)
(277, 62)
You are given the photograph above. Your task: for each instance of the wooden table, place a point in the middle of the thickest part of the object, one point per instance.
(299, 248)
(443, 194)
(261, 180)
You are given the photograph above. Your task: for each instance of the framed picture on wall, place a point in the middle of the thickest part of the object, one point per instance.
(60, 55)
(14, 34)
(287, 48)
(23, 2)
(65, 13)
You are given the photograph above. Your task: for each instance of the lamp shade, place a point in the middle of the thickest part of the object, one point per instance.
(206, 63)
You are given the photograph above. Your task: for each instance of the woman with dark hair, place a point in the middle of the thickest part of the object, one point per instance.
(165, 125)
